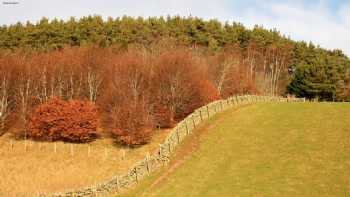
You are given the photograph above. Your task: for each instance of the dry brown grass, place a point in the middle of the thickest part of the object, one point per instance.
(40, 170)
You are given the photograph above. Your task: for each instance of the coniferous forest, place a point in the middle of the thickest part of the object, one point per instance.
(136, 74)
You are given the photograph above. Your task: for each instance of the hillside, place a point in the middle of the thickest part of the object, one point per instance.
(282, 149)
(84, 82)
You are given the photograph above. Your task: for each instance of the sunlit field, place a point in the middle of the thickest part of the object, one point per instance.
(171, 98)
(298, 149)
(29, 168)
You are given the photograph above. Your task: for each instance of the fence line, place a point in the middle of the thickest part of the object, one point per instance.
(153, 162)
(58, 148)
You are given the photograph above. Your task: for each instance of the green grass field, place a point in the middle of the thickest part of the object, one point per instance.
(282, 149)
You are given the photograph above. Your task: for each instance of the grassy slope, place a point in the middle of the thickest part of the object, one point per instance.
(298, 149)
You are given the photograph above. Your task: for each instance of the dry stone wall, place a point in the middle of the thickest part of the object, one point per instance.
(153, 162)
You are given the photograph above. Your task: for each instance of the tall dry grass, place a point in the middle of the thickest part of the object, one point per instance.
(38, 169)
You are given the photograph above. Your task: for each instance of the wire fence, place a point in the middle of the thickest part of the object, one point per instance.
(162, 157)
(60, 148)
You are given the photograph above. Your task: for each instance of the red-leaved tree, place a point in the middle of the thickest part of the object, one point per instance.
(131, 124)
(73, 121)
(180, 84)
(125, 105)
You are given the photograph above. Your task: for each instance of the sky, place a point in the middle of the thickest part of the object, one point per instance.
(324, 22)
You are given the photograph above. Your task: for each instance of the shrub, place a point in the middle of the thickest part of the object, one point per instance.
(73, 121)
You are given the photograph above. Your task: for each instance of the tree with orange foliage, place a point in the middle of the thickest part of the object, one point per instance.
(179, 82)
(125, 105)
(132, 124)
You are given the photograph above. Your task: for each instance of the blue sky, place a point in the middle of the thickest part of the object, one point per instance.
(324, 22)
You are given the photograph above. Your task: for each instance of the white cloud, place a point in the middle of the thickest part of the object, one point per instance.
(35, 9)
(319, 25)
(344, 14)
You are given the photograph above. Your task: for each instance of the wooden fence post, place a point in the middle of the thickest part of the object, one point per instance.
(117, 182)
(147, 163)
(25, 140)
(177, 135)
(55, 147)
(94, 190)
(89, 150)
(169, 147)
(71, 149)
(200, 115)
(187, 131)
(208, 111)
(194, 123)
(11, 144)
(136, 177)
(123, 154)
(160, 150)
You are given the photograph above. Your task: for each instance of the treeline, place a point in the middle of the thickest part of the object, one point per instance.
(128, 92)
(313, 71)
(56, 34)
(132, 75)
